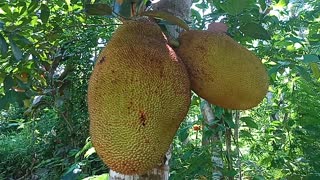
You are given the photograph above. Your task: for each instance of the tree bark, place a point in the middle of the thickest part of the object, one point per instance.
(159, 173)
(180, 9)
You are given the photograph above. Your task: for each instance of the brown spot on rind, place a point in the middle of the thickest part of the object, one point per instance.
(102, 59)
(142, 118)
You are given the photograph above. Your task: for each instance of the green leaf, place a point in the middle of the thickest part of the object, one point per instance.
(87, 146)
(17, 53)
(12, 97)
(99, 177)
(33, 6)
(310, 58)
(255, 31)
(294, 39)
(2, 76)
(304, 73)
(167, 17)
(4, 102)
(89, 152)
(18, 97)
(98, 9)
(246, 18)
(22, 39)
(183, 134)
(70, 172)
(229, 172)
(235, 7)
(249, 122)
(315, 70)
(282, 3)
(68, 3)
(8, 82)
(24, 7)
(187, 155)
(245, 133)
(262, 4)
(6, 9)
(203, 5)
(230, 123)
(274, 70)
(218, 112)
(2, 24)
(45, 13)
(196, 14)
(3, 45)
(258, 177)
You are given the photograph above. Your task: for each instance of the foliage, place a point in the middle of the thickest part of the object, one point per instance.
(29, 143)
(189, 157)
(47, 51)
(275, 142)
(285, 146)
(46, 63)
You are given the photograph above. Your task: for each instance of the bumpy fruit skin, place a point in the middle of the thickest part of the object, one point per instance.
(139, 93)
(222, 71)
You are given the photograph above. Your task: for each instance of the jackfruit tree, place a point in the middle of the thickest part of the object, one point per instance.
(101, 100)
(89, 91)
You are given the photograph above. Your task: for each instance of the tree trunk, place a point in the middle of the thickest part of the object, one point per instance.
(180, 9)
(214, 141)
(236, 139)
(159, 173)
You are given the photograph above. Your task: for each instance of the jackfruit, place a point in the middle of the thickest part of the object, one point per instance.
(138, 94)
(222, 71)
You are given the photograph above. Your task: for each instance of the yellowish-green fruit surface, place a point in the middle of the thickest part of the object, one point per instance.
(139, 93)
(222, 71)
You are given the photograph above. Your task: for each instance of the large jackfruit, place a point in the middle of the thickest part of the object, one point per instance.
(139, 92)
(222, 71)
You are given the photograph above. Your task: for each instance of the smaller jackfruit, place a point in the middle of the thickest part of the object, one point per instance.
(222, 71)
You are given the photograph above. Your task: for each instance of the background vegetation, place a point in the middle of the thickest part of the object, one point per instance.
(47, 52)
